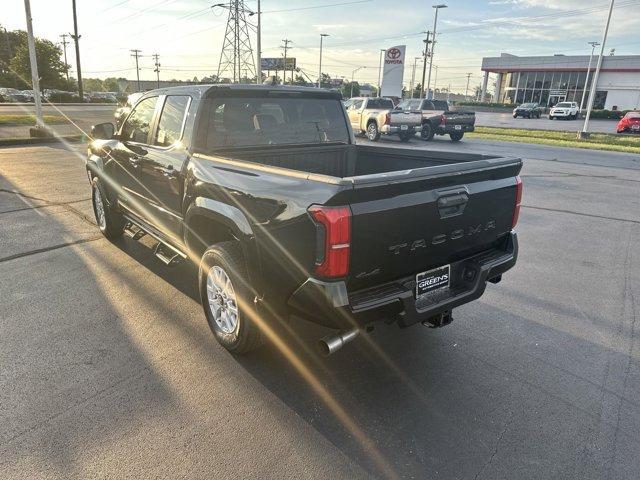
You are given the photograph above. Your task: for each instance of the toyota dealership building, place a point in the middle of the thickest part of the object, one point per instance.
(559, 78)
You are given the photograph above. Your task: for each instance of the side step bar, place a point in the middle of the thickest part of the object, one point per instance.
(165, 252)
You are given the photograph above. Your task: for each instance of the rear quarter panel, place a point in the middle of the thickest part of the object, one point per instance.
(274, 201)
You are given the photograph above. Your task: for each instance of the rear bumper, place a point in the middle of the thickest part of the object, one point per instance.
(329, 303)
(395, 129)
(447, 129)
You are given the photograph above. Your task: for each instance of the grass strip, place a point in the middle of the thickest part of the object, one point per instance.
(26, 119)
(597, 141)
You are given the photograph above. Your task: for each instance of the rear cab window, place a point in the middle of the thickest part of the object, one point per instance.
(259, 121)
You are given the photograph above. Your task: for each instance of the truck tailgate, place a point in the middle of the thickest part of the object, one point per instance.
(408, 222)
(460, 118)
(400, 117)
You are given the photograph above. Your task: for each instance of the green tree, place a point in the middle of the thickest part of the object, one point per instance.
(51, 68)
(325, 82)
(299, 80)
(93, 85)
(10, 41)
(348, 92)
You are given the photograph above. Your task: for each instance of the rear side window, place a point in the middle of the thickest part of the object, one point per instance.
(136, 127)
(440, 105)
(172, 120)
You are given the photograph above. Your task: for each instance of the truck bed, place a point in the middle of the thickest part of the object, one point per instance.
(350, 160)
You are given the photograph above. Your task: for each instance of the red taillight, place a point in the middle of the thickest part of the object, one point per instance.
(334, 240)
(443, 120)
(516, 210)
(387, 119)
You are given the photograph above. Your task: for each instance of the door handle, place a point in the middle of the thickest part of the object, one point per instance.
(135, 161)
(168, 171)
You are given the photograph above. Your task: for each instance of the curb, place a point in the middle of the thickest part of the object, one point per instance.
(10, 142)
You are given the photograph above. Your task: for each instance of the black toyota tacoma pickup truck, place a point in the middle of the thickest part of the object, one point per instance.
(265, 190)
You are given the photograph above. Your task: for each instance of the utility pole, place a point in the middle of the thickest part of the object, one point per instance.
(382, 51)
(586, 81)
(466, 92)
(35, 82)
(285, 47)
(435, 82)
(64, 47)
(433, 44)
(76, 39)
(259, 47)
(136, 54)
(592, 94)
(156, 63)
(425, 54)
(237, 54)
(322, 35)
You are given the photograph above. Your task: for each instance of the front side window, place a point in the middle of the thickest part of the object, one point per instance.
(256, 121)
(137, 126)
(171, 120)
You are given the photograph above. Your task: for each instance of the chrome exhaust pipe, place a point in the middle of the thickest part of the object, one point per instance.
(332, 343)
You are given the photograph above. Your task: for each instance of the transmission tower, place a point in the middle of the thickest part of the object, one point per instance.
(236, 58)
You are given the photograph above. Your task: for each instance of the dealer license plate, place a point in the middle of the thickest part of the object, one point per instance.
(458, 127)
(404, 127)
(431, 280)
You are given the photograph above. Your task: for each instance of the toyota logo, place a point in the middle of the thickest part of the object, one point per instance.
(393, 53)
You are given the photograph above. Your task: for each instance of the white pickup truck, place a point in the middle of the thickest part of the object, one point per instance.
(566, 110)
(375, 116)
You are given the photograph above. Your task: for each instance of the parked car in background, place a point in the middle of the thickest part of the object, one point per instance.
(28, 94)
(264, 188)
(439, 119)
(630, 123)
(14, 96)
(566, 110)
(527, 110)
(123, 111)
(102, 97)
(375, 116)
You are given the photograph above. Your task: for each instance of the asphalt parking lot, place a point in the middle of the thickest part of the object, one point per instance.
(108, 368)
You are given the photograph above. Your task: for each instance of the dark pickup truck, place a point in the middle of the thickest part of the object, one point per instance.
(265, 190)
(439, 119)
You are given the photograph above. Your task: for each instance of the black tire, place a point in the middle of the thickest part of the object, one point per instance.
(112, 224)
(550, 117)
(406, 136)
(427, 132)
(515, 116)
(246, 335)
(456, 136)
(372, 132)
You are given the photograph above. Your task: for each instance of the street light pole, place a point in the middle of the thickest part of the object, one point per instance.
(322, 35)
(586, 82)
(433, 43)
(352, 76)
(592, 94)
(382, 50)
(413, 75)
(35, 80)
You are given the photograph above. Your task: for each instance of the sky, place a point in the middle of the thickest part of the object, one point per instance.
(188, 34)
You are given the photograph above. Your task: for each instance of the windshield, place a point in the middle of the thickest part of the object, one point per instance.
(259, 121)
(633, 115)
(563, 105)
(527, 105)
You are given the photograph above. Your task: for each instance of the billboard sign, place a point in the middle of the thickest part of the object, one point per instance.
(393, 72)
(277, 63)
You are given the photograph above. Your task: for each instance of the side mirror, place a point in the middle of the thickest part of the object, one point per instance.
(103, 131)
